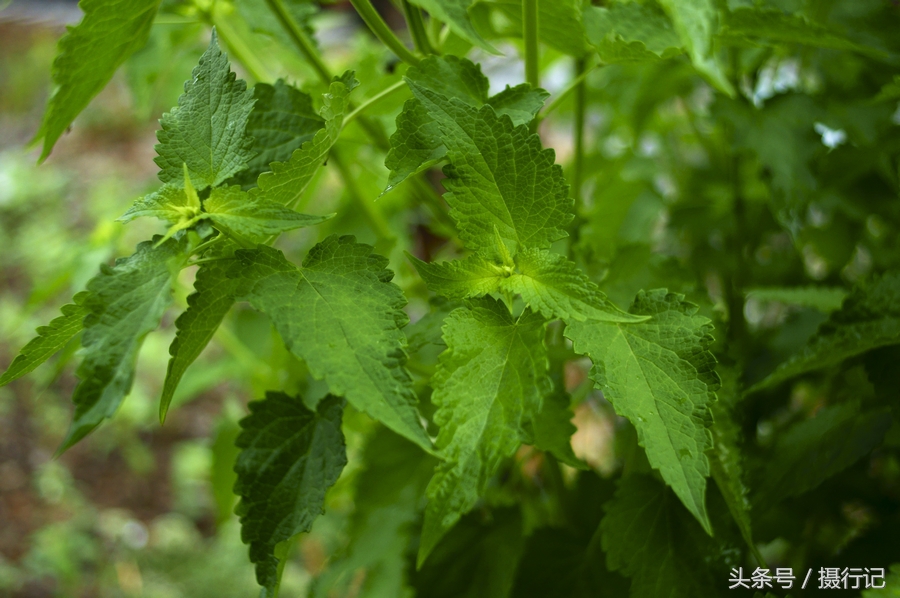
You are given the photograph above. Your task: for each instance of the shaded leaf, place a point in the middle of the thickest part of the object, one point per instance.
(631, 32)
(696, 22)
(455, 13)
(290, 456)
(253, 217)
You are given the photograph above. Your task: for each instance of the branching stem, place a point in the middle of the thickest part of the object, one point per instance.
(371, 18)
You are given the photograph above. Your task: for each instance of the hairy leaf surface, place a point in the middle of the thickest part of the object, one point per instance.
(489, 386)
(290, 456)
(49, 340)
(499, 176)
(660, 375)
(417, 140)
(88, 56)
(206, 130)
(869, 318)
(340, 314)
(288, 180)
(125, 303)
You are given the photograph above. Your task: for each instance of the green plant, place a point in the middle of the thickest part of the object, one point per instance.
(745, 159)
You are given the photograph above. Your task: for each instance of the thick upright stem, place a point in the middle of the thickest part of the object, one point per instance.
(416, 26)
(530, 35)
(301, 39)
(371, 17)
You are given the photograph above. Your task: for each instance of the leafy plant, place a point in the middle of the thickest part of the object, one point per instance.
(715, 280)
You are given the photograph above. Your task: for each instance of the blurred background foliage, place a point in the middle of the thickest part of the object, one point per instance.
(730, 201)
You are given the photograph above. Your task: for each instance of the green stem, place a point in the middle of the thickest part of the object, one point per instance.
(373, 100)
(578, 134)
(563, 95)
(371, 17)
(375, 218)
(241, 50)
(416, 26)
(301, 39)
(530, 35)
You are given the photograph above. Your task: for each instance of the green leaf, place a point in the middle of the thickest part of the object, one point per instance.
(631, 32)
(553, 285)
(207, 306)
(88, 56)
(288, 180)
(389, 492)
(340, 314)
(170, 203)
(824, 299)
(282, 120)
(125, 303)
(455, 13)
(660, 375)
(559, 23)
(417, 141)
(553, 429)
(869, 318)
(221, 474)
(648, 536)
(489, 385)
(477, 559)
(207, 129)
(499, 176)
(891, 588)
(290, 456)
(473, 276)
(49, 340)
(253, 217)
(696, 22)
(813, 450)
(758, 25)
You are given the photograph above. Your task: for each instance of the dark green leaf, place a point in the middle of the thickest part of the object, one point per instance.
(290, 456)
(253, 217)
(631, 32)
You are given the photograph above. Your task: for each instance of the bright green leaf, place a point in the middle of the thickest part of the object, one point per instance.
(489, 385)
(891, 587)
(869, 318)
(340, 314)
(660, 375)
(288, 180)
(290, 456)
(460, 279)
(696, 22)
(88, 56)
(253, 217)
(553, 285)
(206, 130)
(170, 204)
(648, 536)
(49, 340)
(125, 303)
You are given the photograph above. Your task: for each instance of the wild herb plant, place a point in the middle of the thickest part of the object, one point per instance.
(716, 259)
